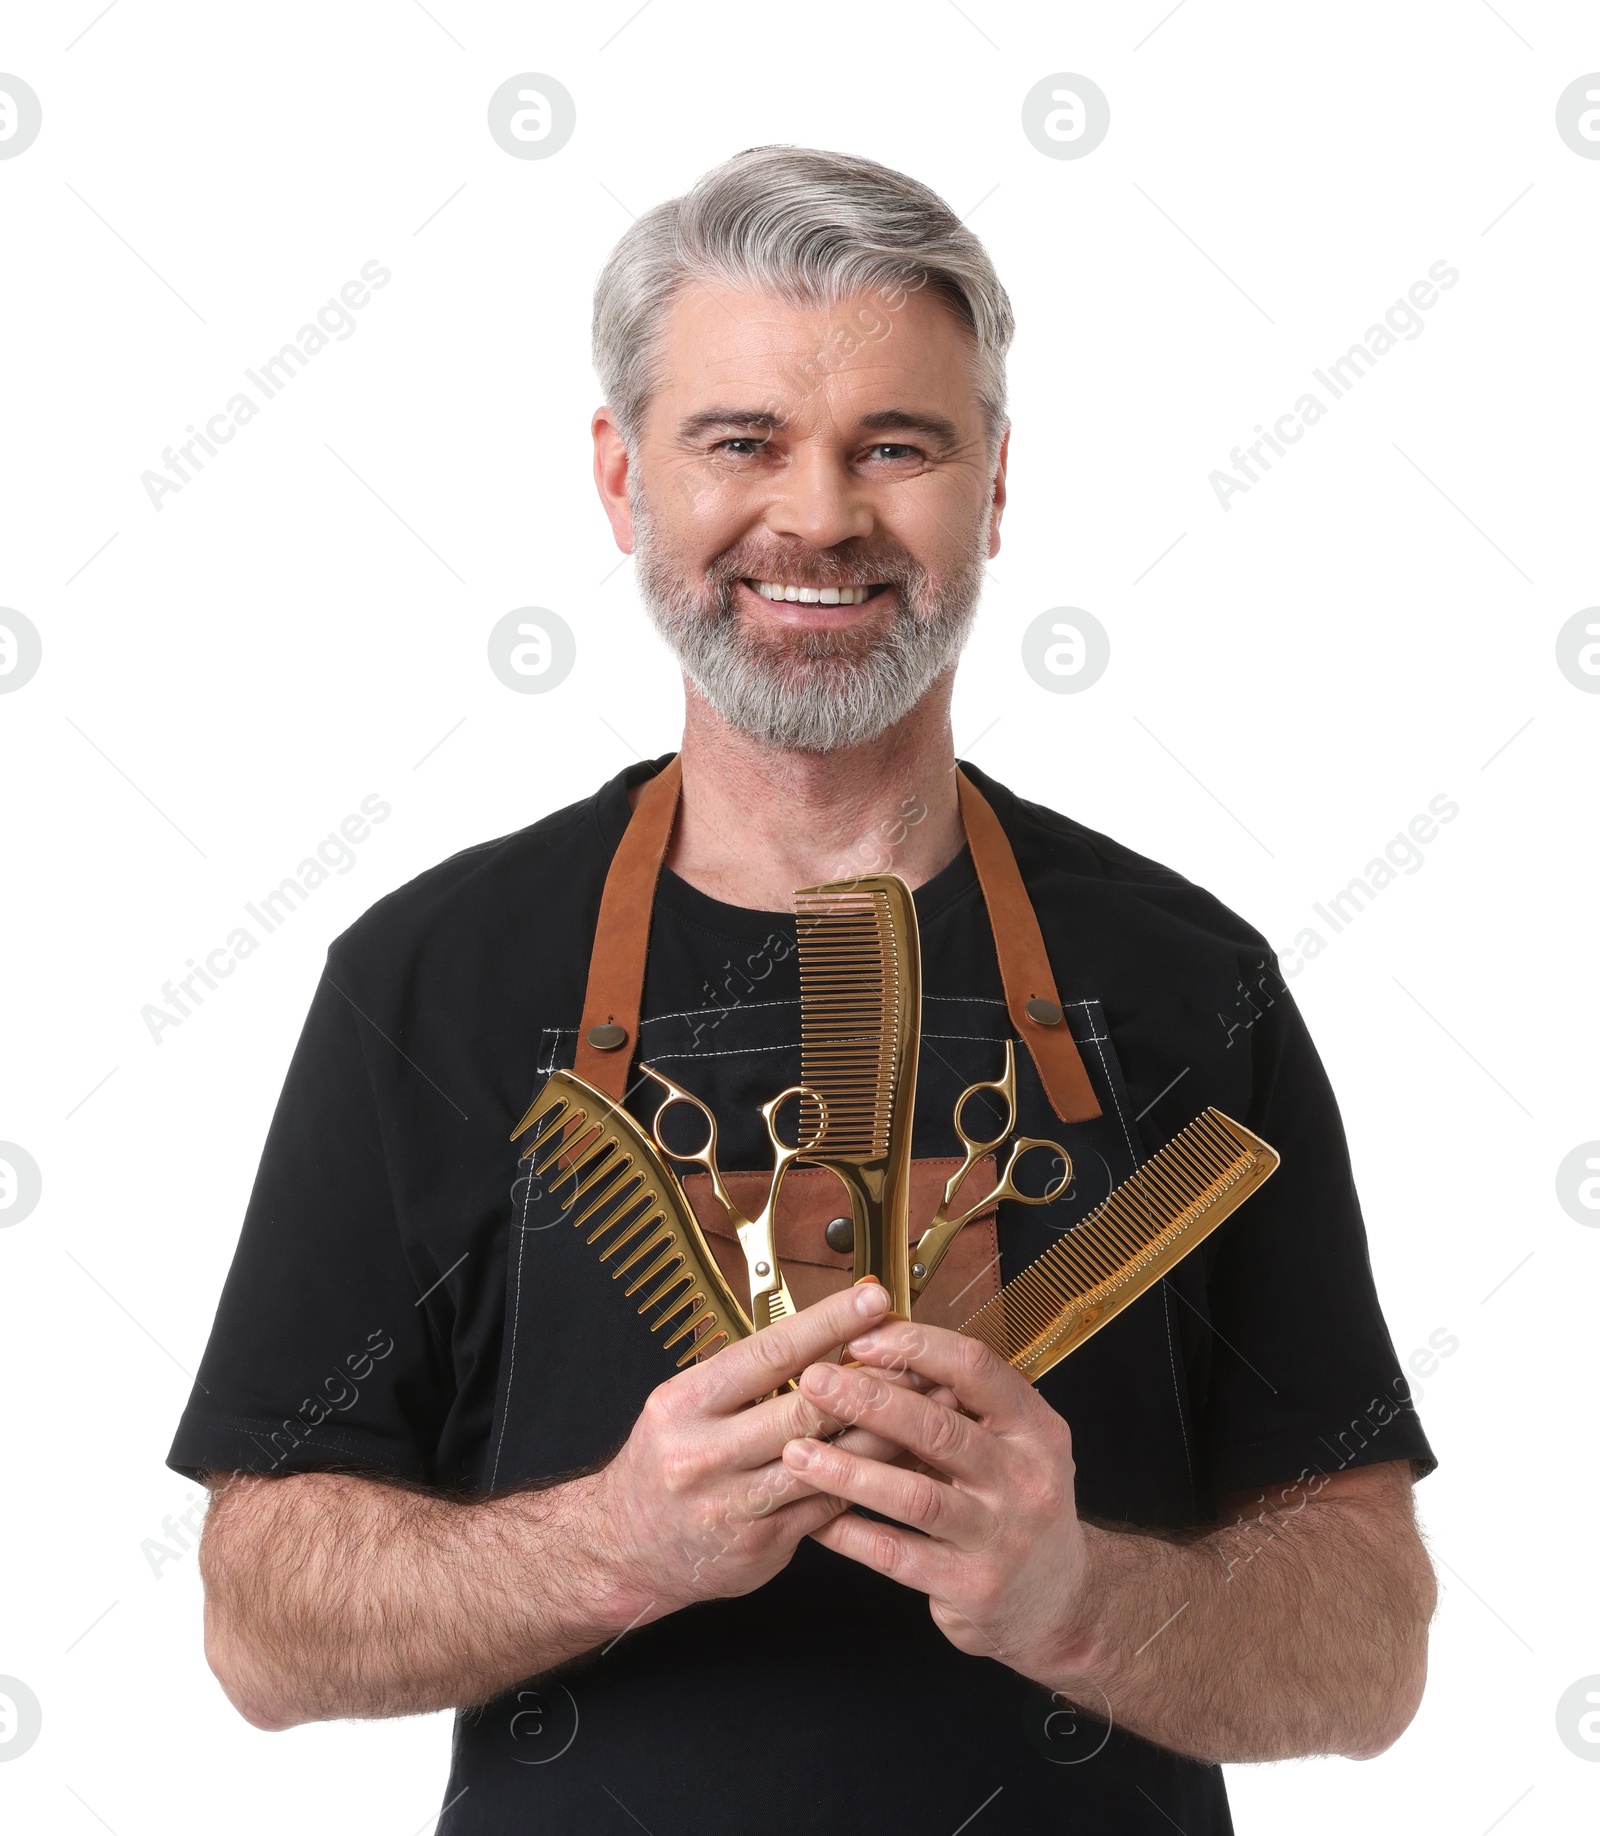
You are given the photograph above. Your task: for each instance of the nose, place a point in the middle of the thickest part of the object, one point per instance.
(819, 500)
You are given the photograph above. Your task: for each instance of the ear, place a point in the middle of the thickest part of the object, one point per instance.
(611, 476)
(997, 502)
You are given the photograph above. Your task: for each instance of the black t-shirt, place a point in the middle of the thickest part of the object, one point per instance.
(404, 1300)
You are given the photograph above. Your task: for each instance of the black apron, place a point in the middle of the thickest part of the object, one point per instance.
(809, 1705)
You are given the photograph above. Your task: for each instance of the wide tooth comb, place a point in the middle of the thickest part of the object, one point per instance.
(1132, 1238)
(638, 1213)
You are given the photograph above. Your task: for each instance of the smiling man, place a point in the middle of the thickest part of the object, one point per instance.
(911, 1593)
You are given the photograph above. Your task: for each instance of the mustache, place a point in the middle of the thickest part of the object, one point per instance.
(818, 567)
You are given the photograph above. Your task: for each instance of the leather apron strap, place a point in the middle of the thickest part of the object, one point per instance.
(1031, 997)
(609, 1029)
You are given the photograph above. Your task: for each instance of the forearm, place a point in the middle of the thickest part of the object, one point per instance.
(329, 1596)
(1301, 1631)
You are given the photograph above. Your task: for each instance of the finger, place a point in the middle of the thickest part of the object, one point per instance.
(778, 1495)
(899, 1554)
(806, 1516)
(756, 1366)
(925, 1503)
(775, 1505)
(856, 1440)
(766, 1492)
(861, 1440)
(790, 1525)
(870, 1446)
(944, 1438)
(756, 1436)
(982, 1381)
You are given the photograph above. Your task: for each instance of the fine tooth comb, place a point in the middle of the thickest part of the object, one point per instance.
(860, 1028)
(1125, 1245)
(636, 1211)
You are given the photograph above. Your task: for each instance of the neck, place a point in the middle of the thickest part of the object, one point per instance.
(756, 821)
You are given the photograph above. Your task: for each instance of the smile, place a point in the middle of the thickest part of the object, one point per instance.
(811, 595)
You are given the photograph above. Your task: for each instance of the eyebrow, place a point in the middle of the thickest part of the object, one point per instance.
(753, 420)
(905, 420)
(746, 420)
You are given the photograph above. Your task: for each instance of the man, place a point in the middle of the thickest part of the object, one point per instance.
(450, 1468)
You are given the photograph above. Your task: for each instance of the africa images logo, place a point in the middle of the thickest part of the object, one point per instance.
(334, 321)
(1402, 321)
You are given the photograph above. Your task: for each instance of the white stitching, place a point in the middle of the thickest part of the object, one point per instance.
(657, 1058)
(1097, 1040)
(746, 1007)
(974, 1038)
(516, 1321)
(1166, 1308)
(734, 1006)
(984, 1038)
(558, 1033)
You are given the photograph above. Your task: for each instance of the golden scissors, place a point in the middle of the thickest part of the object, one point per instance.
(770, 1298)
(939, 1235)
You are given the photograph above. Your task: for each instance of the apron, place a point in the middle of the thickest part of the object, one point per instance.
(576, 1367)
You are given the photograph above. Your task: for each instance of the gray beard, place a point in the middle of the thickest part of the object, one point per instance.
(815, 691)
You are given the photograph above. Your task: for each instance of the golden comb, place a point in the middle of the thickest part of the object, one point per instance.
(860, 1027)
(1142, 1231)
(636, 1206)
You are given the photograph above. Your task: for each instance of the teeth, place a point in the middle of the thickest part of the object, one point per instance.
(812, 596)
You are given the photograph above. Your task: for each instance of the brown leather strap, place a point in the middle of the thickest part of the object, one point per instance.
(621, 938)
(1031, 997)
(608, 1032)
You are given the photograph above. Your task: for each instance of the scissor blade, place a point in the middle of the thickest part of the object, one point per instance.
(930, 1247)
(771, 1305)
(770, 1298)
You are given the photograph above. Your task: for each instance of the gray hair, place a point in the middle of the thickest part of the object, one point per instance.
(812, 227)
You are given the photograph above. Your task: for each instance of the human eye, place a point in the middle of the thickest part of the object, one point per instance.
(893, 452)
(740, 446)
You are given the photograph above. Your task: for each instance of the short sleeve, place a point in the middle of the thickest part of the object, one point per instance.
(1304, 1376)
(318, 1356)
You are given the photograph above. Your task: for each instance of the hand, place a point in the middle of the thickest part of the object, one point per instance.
(1003, 1556)
(698, 1504)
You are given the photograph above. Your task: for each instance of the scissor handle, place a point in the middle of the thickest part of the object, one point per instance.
(704, 1156)
(782, 1153)
(770, 1298)
(1004, 1087)
(1007, 1189)
(929, 1250)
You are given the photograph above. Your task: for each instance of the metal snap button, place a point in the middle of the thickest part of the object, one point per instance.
(608, 1037)
(1043, 1012)
(840, 1235)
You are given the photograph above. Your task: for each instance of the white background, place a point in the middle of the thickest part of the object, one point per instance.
(1370, 626)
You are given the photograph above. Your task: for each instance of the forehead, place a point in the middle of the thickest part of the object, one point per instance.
(730, 347)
